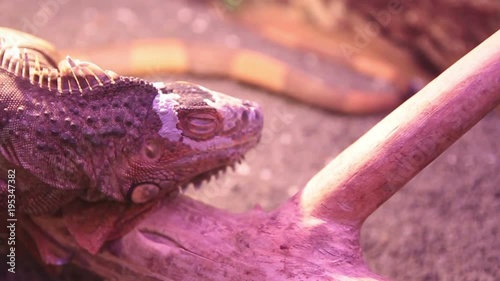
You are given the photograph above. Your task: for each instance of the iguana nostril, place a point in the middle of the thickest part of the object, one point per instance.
(244, 116)
(253, 111)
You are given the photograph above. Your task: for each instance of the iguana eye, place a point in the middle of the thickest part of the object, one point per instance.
(144, 192)
(200, 126)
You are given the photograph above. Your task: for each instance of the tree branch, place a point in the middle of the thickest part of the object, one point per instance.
(371, 170)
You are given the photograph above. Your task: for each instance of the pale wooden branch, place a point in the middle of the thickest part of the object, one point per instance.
(372, 169)
(315, 235)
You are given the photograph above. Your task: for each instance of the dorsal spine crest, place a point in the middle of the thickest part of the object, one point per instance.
(72, 77)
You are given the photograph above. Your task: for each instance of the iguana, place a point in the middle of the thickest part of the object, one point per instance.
(73, 136)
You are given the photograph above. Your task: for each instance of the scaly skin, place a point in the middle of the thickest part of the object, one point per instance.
(78, 132)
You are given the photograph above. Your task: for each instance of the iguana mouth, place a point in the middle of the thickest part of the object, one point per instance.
(206, 176)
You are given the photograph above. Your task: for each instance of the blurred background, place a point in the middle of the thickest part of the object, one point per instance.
(444, 225)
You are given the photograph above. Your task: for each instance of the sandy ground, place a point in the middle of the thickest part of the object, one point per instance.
(444, 225)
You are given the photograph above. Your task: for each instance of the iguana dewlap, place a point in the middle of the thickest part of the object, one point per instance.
(76, 131)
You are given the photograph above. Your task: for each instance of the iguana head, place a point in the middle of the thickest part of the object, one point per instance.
(82, 128)
(201, 133)
(80, 131)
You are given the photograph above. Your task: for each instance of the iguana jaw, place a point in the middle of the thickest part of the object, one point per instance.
(198, 180)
